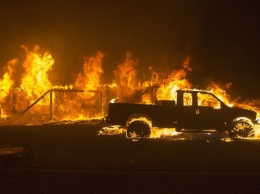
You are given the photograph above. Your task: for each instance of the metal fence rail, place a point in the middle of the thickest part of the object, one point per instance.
(51, 100)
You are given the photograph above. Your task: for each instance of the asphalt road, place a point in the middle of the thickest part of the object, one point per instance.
(74, 159)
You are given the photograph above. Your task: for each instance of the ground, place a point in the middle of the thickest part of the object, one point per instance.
(74, 159)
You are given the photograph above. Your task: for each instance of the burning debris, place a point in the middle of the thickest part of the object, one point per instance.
(37, 100)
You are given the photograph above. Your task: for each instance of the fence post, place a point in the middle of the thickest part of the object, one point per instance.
(50, 105)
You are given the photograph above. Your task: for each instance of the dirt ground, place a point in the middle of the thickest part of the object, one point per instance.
(74, 159)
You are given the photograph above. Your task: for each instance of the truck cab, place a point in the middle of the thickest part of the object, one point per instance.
(200, 109)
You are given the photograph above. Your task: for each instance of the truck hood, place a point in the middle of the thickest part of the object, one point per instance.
(245, 112)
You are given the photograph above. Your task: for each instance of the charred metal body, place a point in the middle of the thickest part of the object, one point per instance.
(190, 113)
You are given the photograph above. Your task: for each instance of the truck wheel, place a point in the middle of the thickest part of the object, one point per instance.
(242, 127)
(138, 129)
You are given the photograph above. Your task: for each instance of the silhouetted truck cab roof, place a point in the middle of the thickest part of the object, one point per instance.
(193, 110)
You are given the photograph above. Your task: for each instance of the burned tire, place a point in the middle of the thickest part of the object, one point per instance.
(138, 129)
(242, 127)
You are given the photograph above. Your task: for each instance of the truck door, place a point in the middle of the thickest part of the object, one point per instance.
(208, 111)
(187, 107)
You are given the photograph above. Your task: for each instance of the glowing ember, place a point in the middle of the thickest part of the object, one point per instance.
(163, 132)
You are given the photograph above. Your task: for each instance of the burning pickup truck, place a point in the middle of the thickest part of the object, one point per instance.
(192, 111)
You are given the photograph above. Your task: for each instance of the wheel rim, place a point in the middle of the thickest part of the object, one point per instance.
(243, 129)
(138, 130)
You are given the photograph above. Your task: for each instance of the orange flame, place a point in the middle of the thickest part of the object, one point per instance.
(87, 103)
(176, 80)
(35, 80)
(84, 105)
(92, 73)
(221, 93)
(126, 79)
(7, 83)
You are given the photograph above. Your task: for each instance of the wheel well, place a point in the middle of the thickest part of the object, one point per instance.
(138, 129)
(139, 116)
(242, 119)
(243, 130)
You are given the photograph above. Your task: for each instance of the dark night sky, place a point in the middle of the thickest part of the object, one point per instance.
(221, 36)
